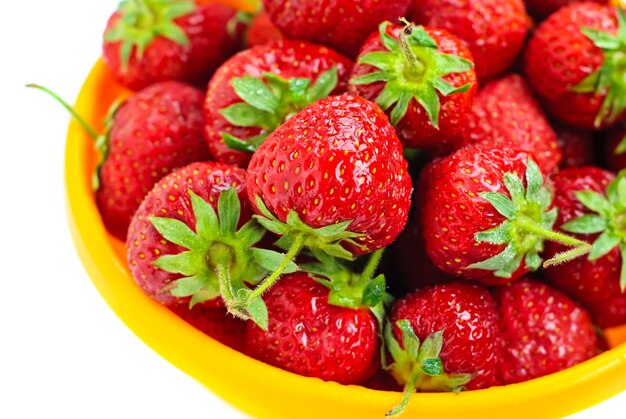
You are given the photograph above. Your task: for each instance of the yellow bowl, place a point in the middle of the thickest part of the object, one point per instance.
(265, 391)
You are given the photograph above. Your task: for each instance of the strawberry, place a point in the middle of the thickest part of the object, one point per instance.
(481, 221)
(615, 148)
(577, 146)
(592, 205)
(311, 337)
(180, 251)
(574, 63)
(214, 322)
(153, 132)
(505, 111)
(149, 41)
(342, 25)
(542, 330)
(255, 91)
(262, 31)
(494, 30)
(541, 9)
(444, 337)
(422, 77)
(332, 179)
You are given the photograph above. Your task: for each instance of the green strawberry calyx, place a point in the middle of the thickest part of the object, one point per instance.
(101, 141)
(220, 259)
(621, 147)
(609, 78)
(270, 100)
(608, 220)
(417, 365)
(412, 68)
(528, 223)
(141, 21)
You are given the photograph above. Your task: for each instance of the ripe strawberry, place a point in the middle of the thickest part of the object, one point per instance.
(541, 9)
(255, 91)
(148, 41)
(543, 331)
(308, 336)
(505, 111)
(574, 63)
(342, 25)
(214, 322)
(592, 205)
(493, 29)
(577, 146)
(615, 148)
(422, 77)
(444, 337)
(153, 132)
(262, 31)
(481, 221)
(180, 251)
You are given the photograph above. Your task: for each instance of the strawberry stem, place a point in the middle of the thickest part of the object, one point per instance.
(409, 388)
(291, 254)
(532, 227)
(567, 256)
(415, 67)
(370, 267)
(88, 129)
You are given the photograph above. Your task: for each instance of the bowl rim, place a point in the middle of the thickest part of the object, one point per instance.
(558, 394)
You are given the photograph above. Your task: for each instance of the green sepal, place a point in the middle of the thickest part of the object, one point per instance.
(329, 239)
(270, 259)
(417, 365)
(608, 79)
(412, 67)
(268, 101)
(374, 292)
(141, 21)
(218, 256)
(621, 147)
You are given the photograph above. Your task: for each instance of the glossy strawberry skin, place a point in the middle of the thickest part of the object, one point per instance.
(415, 128)
(310, 337)
(164, 59)
(591, 282)
(262, 31)
(452, 212)
(559, 56)
(286, 59)
(577, 146)
(544, 8)
(467, 316)
(339, 159)
(543, 331)
(170, 199)
(505, 111)
(341, 24)
(494, 30)
(615, 161)
(155, 131)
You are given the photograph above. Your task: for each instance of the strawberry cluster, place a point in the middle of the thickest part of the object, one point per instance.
(266, 161)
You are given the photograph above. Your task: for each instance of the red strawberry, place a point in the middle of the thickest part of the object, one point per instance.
(480, 220)
(422, 77)
(342, 25)
(544, 8)
(255, 91)
(505, 111)
(543, 331)
(592, 205)
(181, 251)
(148, 41)
(577, 146)
(493, 29)
(308, 336)
(615, 148)
(214, 322)
(153, 132)
(574, 63)
(262, 31)
(444, 337)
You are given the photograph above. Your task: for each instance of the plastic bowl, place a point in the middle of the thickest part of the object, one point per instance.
(264, 391)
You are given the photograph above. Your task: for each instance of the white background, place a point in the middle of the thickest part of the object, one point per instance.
(63, 353)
